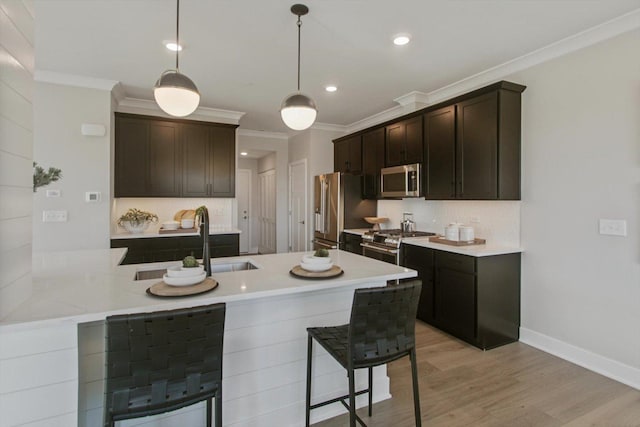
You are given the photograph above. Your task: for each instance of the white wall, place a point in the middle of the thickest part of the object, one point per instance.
(581, 162)
(16, 152)
(85, 161)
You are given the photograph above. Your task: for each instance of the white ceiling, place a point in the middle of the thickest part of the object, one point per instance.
(242, 53)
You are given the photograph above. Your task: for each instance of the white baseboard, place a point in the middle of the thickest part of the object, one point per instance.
(594, 362)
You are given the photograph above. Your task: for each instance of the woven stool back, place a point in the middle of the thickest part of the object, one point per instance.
(382, 326)
(161, 361)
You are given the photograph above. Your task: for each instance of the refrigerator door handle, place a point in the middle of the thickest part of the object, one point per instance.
(325, 245)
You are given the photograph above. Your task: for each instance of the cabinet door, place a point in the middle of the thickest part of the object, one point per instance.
(351, 243)
(347, 155)
(131, 157)
(421, 260)
(372, 162)
(340, 156)
(355, 155)
(413, 145)
(440, 154)
(477, 148)
(195, 170)
(222, 159)
(394, 145)
(165, 167)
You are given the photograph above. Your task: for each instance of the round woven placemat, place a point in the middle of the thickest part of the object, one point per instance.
(298, 271)
(161, 289)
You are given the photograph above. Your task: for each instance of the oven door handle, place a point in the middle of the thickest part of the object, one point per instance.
(378, 249)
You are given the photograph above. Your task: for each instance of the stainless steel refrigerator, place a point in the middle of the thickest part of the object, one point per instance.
(338, 205)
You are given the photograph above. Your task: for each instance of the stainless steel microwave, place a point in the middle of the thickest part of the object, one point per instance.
(400, 181)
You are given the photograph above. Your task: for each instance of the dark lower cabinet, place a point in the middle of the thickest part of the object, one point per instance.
(421, 260)
(476, 299)
(351, 243)
(160, 249)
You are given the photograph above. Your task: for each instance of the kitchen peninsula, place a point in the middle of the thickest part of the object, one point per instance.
(57, 336)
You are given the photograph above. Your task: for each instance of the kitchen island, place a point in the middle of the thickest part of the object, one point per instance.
(52, 346)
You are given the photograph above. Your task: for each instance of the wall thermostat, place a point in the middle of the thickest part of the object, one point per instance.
(92, 196)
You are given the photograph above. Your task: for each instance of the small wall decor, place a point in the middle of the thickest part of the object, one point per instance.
(42, 178)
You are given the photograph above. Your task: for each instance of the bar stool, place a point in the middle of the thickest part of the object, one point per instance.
(162, 361)
(381, 329)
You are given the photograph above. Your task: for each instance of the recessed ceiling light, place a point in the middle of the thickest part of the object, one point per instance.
(401, 39)
(243, 153)
(172, 46)
(330, 88)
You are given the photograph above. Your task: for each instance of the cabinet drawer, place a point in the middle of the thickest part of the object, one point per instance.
(223, 239)
(462, 263)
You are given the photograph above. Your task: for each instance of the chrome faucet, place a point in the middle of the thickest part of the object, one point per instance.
(203, 213)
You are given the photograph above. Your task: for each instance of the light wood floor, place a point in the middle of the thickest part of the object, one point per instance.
(513, 385)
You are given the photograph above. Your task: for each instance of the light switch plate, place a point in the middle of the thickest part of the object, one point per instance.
(613, 227)
(54, 216)
(53, 193)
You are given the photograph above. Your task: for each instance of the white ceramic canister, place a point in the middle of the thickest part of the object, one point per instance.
(452, 232)
(466, 233)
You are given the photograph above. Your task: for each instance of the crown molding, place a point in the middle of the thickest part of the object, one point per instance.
(612, 28)
(145, 106)
(46, 76)
(329, 127)
(261, 134)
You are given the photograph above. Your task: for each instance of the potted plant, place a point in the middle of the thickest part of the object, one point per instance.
(136, 221)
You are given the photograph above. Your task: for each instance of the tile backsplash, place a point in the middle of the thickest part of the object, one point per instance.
(221, 211)
(496, 221)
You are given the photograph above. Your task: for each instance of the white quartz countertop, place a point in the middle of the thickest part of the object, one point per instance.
(88, 285)
(156, 233)
(358, 231)
(472, 250)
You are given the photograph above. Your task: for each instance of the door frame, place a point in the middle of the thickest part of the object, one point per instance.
(306, 202)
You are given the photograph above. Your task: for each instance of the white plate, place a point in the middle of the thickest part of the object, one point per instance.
(311, 259)
(316, 267)
(180, 271)
(184, 281)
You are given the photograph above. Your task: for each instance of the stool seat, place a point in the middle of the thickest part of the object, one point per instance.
(381, 329)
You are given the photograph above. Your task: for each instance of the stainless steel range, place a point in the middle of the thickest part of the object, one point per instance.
(384, 245)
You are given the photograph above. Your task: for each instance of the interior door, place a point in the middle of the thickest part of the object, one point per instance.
(298, 206)
(267, 219)
(244, 209)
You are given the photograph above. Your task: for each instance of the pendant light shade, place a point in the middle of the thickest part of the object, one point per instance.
(298, 111)
(175, 93)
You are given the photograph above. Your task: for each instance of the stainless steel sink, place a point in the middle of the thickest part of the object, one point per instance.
(223, 267)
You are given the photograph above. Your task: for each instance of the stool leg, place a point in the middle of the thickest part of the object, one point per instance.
(352, 398)
(219, 407)
(209, 412)
(308, 398)
(416, 390)
(370, 388)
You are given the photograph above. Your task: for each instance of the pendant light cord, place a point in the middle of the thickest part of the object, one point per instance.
(299, 25)
(177, 31)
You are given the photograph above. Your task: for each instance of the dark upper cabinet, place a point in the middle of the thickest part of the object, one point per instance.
(472, 147)
(347, 155)
(404, 142)
(372, 162)
(209, 161)
(439, 173)
(158, 157)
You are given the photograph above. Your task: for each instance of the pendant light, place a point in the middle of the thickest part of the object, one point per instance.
(298, 111)
(175, 93)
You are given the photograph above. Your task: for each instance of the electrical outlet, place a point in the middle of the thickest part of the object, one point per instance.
(613, 227)
(54, 216)
(53, 193)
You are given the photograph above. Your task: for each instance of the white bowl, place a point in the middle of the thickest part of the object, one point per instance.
(170, 225)
(180, 271)
(316, 267)
(184, 281)
(187, 223)
(312, 259)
